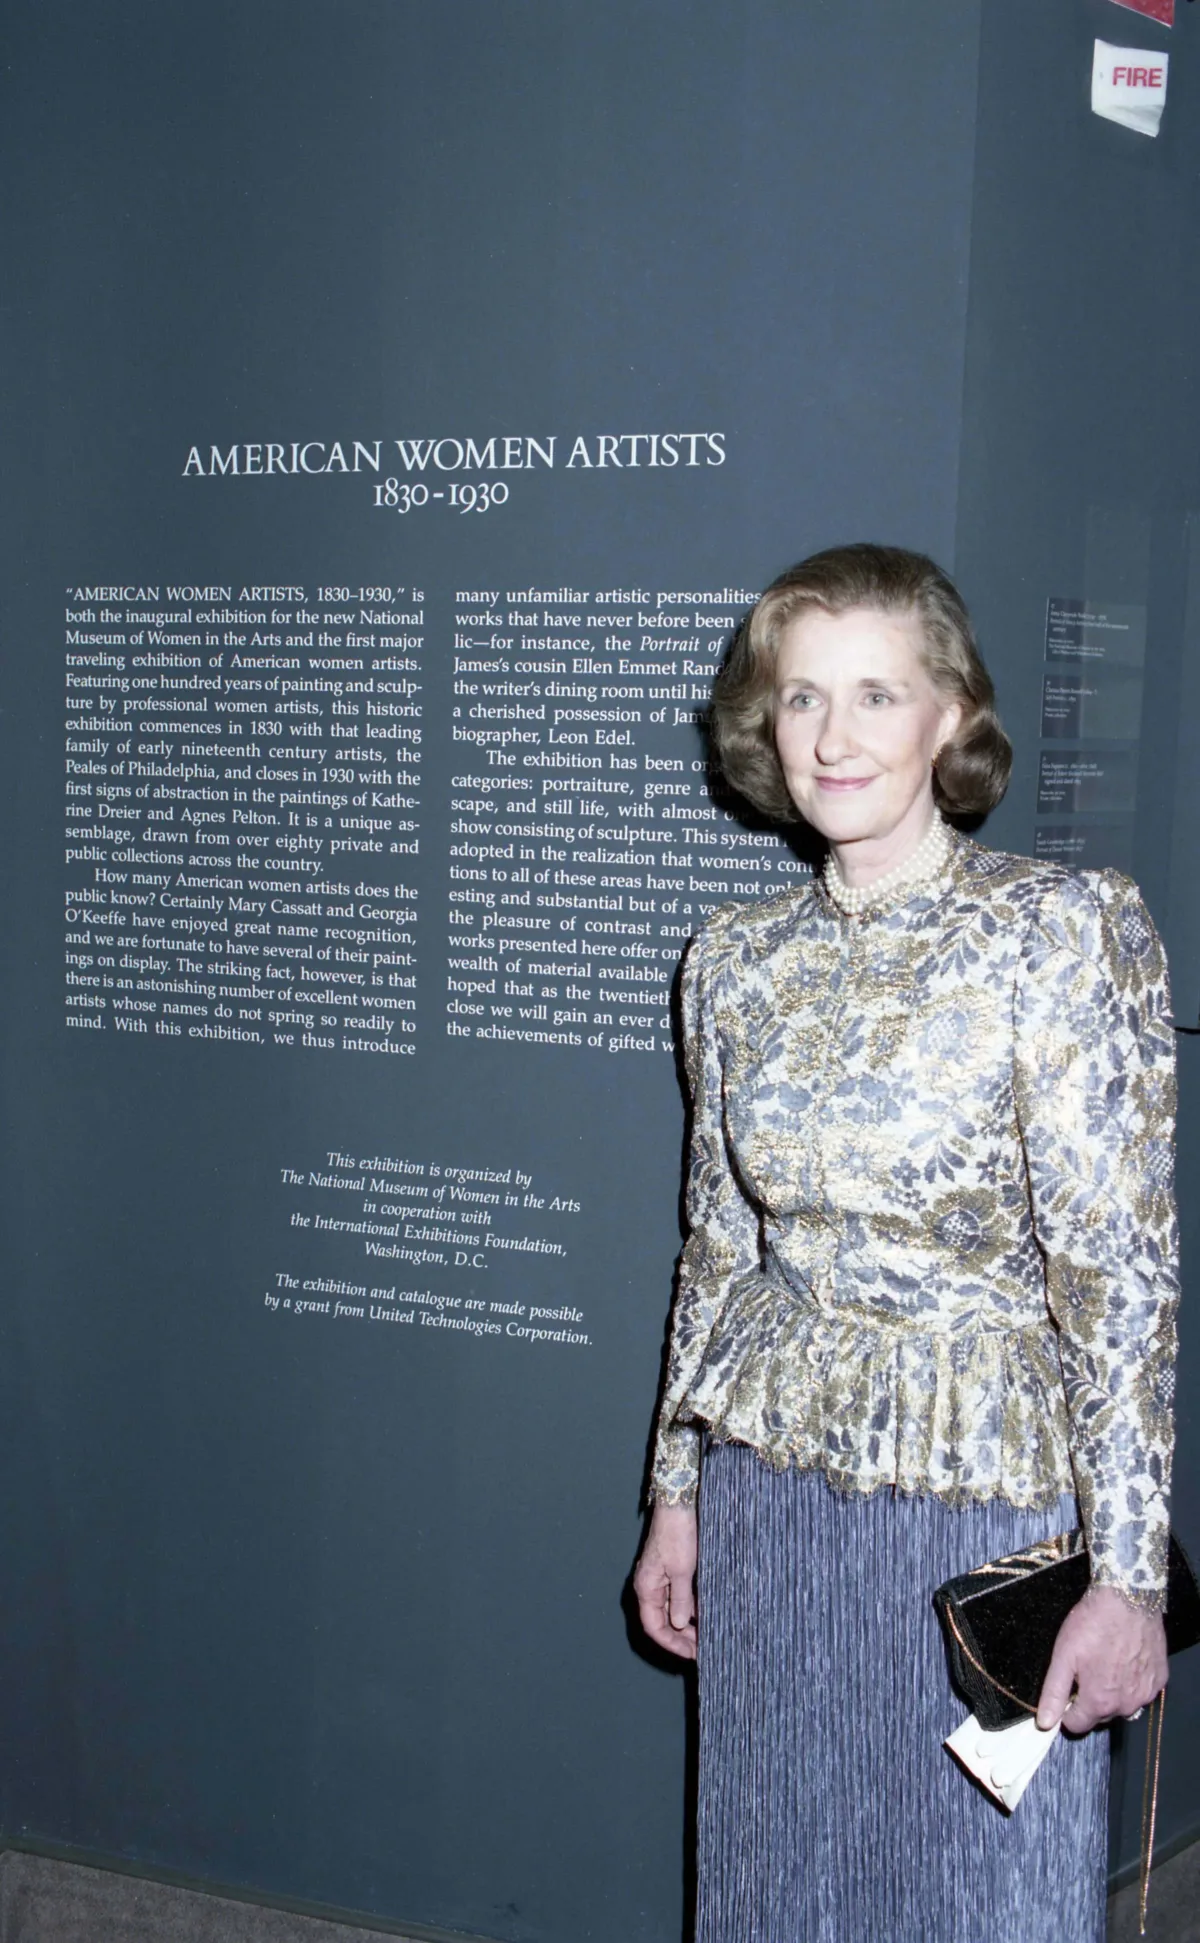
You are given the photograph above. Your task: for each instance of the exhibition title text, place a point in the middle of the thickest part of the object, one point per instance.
(624, 451)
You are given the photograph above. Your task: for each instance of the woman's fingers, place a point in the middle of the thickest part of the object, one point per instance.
(667, 1611)
(1059, 1683)
(1112, 1654)
(665, 1580)
(681, 1611)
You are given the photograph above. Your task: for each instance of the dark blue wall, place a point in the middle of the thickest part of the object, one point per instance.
(1081, 477)
(335, 1618)
(320, 1614)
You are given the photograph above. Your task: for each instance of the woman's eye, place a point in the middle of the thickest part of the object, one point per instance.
(800, 700)
(878, 698)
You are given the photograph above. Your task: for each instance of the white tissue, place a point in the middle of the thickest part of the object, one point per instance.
(1006, 1759)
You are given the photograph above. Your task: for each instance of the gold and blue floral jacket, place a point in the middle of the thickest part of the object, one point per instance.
(932, 1226)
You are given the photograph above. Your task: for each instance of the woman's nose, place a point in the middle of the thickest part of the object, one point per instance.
(835, 739)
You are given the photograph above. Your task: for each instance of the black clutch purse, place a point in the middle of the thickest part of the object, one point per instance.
(1001, 1621)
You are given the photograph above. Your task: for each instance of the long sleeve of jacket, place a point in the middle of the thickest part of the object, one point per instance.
(1094, 1084)
(723, 1228)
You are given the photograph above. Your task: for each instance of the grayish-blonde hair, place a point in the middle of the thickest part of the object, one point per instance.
(972, 769)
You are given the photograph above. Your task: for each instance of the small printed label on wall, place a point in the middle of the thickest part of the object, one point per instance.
(1129, 85)
(1095, 631)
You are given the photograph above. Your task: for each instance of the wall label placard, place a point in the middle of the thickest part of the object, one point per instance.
(1087, 779)
(1083, 630)
(1099, 844)
(1099, 704)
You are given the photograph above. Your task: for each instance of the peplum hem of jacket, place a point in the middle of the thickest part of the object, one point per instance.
(963, 1414)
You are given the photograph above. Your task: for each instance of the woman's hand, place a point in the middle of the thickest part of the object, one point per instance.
(1114, 1656)
(665, 1579)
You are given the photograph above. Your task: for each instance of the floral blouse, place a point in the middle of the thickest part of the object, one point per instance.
(932, 1227)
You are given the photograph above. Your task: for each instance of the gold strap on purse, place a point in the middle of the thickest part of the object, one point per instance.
(1154, 1727)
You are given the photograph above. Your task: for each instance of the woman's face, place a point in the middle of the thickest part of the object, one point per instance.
(857, 724)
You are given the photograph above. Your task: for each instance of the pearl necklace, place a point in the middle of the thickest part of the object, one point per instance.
(926, 863)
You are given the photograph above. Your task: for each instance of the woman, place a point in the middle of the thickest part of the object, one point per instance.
(931, 1264)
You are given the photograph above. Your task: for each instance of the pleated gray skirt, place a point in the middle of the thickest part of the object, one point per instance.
(829, 1811)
